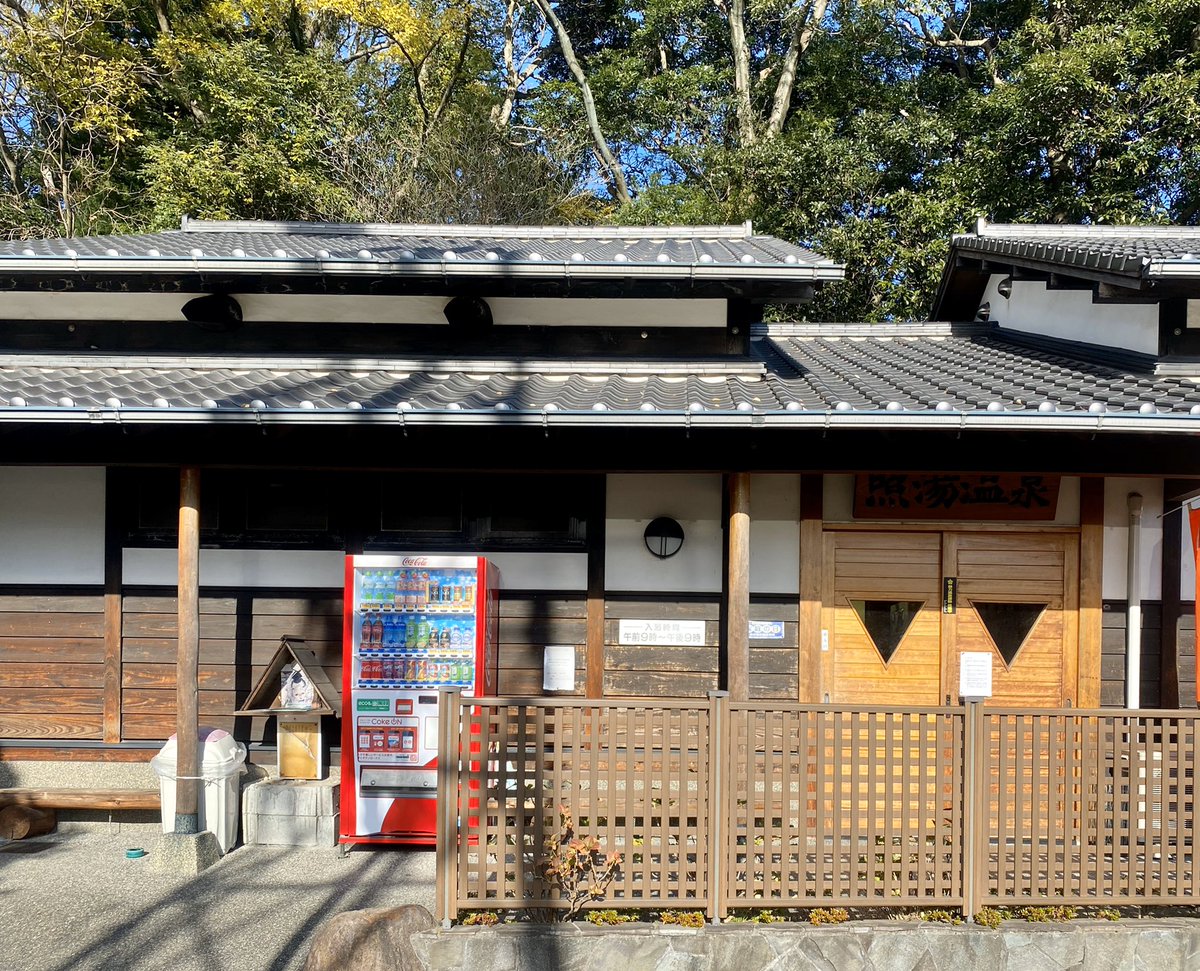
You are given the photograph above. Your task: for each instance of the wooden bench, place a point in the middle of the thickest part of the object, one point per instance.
(30, 812)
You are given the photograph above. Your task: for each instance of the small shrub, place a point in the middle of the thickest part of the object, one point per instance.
(1108, 913)
(683, 918)
(481, 918)
(577, 866)
(941, 916)
(991, 917)
(604, 917)
(828, 915)
(767, 917)
(1047, 914)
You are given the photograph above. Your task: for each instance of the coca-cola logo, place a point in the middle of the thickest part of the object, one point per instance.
(416, 561)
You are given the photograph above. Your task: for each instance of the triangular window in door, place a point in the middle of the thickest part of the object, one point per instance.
(1009, 625)
(886, 622)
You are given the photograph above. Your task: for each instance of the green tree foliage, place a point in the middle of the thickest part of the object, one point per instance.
(871, 129)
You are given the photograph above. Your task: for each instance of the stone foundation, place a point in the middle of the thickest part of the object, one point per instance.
(291, 812)
(1169, 944)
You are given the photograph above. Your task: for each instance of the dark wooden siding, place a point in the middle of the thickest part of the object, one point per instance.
(529, 620)
(1186, 641)
(51, 664)
(239, 632)
(689, 672)
(1112, 654)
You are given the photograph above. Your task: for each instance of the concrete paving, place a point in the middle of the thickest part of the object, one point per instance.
(71, 901)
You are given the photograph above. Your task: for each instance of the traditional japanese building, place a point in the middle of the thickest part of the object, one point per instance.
(845, 508)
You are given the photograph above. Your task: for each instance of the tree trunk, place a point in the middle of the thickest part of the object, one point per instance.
(741, 71)
(620, 187)
(802, 34)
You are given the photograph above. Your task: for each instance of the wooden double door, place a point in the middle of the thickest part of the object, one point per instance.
(891, 642)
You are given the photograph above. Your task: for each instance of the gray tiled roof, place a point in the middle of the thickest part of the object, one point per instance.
(886, 370)
(726, 251)
(1134, 251)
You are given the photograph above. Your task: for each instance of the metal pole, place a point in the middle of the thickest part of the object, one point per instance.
(187, 693)
(1133, 597)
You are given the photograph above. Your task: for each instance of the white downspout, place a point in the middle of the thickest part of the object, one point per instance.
(1133, 598)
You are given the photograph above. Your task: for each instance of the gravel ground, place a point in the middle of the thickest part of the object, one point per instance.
(72, 902)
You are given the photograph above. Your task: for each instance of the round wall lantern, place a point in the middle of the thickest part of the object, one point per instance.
(664, 537)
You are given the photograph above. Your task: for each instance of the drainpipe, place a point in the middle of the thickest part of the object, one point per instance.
(1133, 597)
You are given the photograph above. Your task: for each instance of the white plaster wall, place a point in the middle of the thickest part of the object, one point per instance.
(775, 534)
(634, 500)
(51, 525)
(607, 312)
(239, 568)
(1071, 315)
(290, 308)
(1116, 520)
(326, 568)
(839, 502)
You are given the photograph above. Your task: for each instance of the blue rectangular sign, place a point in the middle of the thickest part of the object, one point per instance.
(766, 630)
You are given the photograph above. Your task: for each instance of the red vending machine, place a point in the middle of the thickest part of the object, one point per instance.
(412, 625)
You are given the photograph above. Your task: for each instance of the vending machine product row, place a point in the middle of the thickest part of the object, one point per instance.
(413, 624)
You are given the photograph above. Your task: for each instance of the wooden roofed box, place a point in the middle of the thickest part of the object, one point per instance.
(296, 690)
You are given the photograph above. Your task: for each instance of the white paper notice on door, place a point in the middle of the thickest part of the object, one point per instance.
(975, 674)
(558, 667)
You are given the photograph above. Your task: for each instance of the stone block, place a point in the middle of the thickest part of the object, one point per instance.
(369, 940)
(327, 829)
(283, 831)
(186, 853)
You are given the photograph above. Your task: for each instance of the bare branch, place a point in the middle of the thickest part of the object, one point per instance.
(620, 187)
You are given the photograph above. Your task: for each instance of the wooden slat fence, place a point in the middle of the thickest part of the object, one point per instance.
(1090, 807)
(635, 776)
(722, 806)
(844, 806)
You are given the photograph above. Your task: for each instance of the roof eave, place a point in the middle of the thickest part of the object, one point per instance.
(797, 272)
(1026, 421)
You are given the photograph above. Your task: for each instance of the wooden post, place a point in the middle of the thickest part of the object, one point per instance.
(187, 693)
(718, 789)
(812, 553)
(594, 649)
(737, 635)
(1175, 528)
(112, 611)
(1091, 599)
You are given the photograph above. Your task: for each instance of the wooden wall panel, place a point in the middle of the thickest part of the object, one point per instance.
(654, 672)
(51, 663)
(1112, 657)
(690, 672)
(239, 633)
(529, 620)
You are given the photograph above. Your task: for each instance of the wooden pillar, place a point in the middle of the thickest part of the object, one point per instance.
(1091, 603)
(812, 552)
(737, 588)
(112, 611)
(1175, 528)
(594, 650)
(187, 694)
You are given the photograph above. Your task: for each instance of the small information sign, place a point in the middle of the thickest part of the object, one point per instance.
(975, 675)
(662, 633)
(558, 667)
(766, 630)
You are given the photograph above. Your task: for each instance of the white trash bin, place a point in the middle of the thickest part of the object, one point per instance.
(221, 766)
